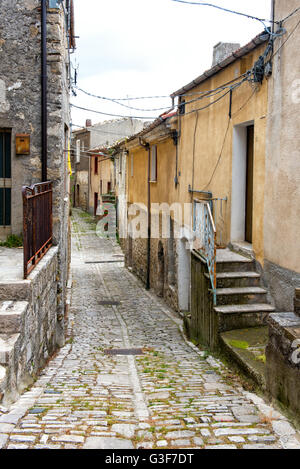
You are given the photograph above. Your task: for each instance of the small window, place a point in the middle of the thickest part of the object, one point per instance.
(131, 165)
(78, 151)
(181, 106)
(154, 163)
(96, 165)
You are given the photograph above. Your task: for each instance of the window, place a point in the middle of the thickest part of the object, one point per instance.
(153, 163)
(181, 106)
(5, 178)
(131, 165)
(96, 165)
(77, 151)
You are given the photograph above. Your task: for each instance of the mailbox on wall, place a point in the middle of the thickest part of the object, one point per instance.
(22, 144)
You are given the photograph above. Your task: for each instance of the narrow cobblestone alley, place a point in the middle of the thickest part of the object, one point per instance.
(171, 396)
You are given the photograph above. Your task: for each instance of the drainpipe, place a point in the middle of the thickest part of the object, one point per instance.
(149, 219)
(44, 88)
(147, 148)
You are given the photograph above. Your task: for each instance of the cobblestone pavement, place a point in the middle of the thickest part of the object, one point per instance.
(171, 396)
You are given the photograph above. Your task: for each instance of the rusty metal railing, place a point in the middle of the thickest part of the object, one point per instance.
(205, 243)
(37, 223)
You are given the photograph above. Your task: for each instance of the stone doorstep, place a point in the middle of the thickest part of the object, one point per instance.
(11, 316)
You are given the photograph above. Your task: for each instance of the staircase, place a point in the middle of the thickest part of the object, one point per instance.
(241, 301)
(242, 311)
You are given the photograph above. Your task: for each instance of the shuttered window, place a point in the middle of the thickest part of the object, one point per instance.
(5, 176)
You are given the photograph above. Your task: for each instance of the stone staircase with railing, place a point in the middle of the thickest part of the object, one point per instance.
(243, 307)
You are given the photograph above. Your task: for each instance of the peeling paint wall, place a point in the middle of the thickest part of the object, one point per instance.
(282, 198)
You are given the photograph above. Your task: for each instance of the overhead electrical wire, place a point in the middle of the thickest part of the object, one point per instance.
(227, 10)
(286, 40)
(111, 115)
(121, 104)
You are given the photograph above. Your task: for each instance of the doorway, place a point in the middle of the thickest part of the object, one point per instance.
(161, 270)
(95, 203)
(249, 184)
(242, 183)
(184, 275)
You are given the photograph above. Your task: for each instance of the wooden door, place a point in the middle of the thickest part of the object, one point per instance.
(95, 203)
(249, 184)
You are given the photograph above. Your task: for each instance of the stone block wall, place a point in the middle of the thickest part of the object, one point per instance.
(30, 335)
(283, 361)
(163, 272)
(20, 112)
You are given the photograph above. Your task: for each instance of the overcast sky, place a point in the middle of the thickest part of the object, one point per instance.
(132, 48)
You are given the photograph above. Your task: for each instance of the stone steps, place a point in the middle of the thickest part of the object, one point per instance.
(241, 295)
(237, 279)
(12, 316)
(229, 262)
(232, 317)
(8, 343)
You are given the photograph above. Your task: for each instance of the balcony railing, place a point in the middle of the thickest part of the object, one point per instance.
(37, 223)
(205, 243)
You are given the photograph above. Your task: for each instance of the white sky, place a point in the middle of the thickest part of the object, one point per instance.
(130, 48)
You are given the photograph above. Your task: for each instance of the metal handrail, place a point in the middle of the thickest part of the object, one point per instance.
(205, 244)
(37, 223)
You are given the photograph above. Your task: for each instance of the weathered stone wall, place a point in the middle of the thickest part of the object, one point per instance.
(283, 361)
(282, 197)
(29, 332)
(163, 276)
(20, 111)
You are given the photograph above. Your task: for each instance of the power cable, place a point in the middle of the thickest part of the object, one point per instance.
(286, 40)
(121, 104)
(261, 20)
(111, 115)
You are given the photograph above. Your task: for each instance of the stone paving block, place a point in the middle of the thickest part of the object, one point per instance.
(22, 438)
(107, 443)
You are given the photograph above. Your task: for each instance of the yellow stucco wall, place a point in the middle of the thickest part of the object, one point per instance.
(282, 203)
(105, 174)
(249, 105)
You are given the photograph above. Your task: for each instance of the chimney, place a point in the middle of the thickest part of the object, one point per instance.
(222, 50)
(88, 123)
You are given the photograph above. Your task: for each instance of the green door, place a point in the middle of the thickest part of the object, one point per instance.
(5, 178)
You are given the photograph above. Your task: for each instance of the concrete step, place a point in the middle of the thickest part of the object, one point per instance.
(241, 295)
(238, 279)
(247, 348)
(228, 261)
(12, 316)
(233, 317)
(8, 343)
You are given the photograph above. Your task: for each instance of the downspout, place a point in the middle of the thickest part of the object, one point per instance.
(149, 219)
(44, 88)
